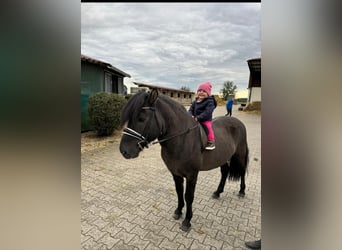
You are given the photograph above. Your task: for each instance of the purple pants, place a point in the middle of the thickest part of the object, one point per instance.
(208, 124)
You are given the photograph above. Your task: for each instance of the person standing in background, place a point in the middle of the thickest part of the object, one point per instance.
(229, 106)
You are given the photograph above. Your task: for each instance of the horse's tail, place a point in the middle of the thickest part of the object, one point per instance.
(238, 165)
(246, 157)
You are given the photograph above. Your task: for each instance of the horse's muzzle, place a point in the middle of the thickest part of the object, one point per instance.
(125, 154)
(128, 155)
(129, 151)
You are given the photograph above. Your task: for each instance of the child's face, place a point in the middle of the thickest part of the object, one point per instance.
(202, 94)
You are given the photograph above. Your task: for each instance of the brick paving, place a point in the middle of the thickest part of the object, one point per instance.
(128, 204)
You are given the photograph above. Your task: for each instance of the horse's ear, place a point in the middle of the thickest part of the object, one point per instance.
(152, 97)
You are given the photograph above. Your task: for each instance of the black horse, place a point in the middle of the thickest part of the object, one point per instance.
(151, 116)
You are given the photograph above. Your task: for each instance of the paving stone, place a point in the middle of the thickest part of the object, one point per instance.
(197, 245)
(170, 235)
(122, 246)
(217, 244)
(112, 229)
(95, 233)
(166, 244)
(197, 233)
(90, 244)
(85, 227)
(141, 232)
(139, 243)
(108, 240)
(125, 236)
(154, 238)
(182, 239)
(127, 225)
(100, 223)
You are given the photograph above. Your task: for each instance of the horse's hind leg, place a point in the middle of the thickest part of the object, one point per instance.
(224, 174)
(237, 171)
(180, 191)
(242, 186)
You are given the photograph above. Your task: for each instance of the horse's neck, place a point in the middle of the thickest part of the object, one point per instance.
(178, 122)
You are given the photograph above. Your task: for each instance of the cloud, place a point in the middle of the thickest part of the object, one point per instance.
(174, 44)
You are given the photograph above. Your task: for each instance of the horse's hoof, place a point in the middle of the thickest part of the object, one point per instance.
(215, 195)
(176, 216)
(241, 194)
(185, 226)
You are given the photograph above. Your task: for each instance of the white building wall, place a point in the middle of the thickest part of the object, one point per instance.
(255, 94)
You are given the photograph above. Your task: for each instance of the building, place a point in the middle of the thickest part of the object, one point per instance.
(181, 96)
(241, 98)
(98, 76)
(254, 84)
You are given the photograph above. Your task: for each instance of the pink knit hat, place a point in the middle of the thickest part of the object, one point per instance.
(206, 86)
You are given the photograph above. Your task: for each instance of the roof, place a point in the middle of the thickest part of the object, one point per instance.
(103, 64)
(254, 64)
(159, 87)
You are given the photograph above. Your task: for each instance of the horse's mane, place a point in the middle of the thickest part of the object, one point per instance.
(133, 106)
(137, 101)
(171, 103)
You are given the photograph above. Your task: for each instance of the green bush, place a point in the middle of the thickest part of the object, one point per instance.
(104, 112)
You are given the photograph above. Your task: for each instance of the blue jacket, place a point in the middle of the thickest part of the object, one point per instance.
(229, 104)
(203, 110)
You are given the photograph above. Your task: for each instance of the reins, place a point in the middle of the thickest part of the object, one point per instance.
(173, 136)
(143, 142)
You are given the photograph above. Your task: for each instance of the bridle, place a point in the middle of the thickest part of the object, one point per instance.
(142, 140)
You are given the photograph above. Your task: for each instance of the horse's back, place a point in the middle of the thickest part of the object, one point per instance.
(230, 138)
(229, 126)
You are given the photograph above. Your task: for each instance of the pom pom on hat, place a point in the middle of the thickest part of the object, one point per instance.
(206, 86)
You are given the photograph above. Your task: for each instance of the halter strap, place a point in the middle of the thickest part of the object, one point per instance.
(143, 142)
(133, 133)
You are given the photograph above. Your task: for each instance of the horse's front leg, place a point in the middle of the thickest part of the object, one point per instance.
(180, 191)
(189, 198)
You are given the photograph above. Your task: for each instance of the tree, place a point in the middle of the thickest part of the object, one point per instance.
(229, 88)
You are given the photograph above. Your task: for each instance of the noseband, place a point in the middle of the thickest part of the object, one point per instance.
(143, 142)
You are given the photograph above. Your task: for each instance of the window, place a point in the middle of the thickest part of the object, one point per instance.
(171, 94)
(108, 83)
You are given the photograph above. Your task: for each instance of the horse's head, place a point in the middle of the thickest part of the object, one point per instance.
(143, 125)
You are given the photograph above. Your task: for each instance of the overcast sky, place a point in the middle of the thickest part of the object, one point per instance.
(174, 44)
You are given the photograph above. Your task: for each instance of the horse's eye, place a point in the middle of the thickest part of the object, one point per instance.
(141, 119)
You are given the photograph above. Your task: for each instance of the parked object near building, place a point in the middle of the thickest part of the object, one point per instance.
(241, 99)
